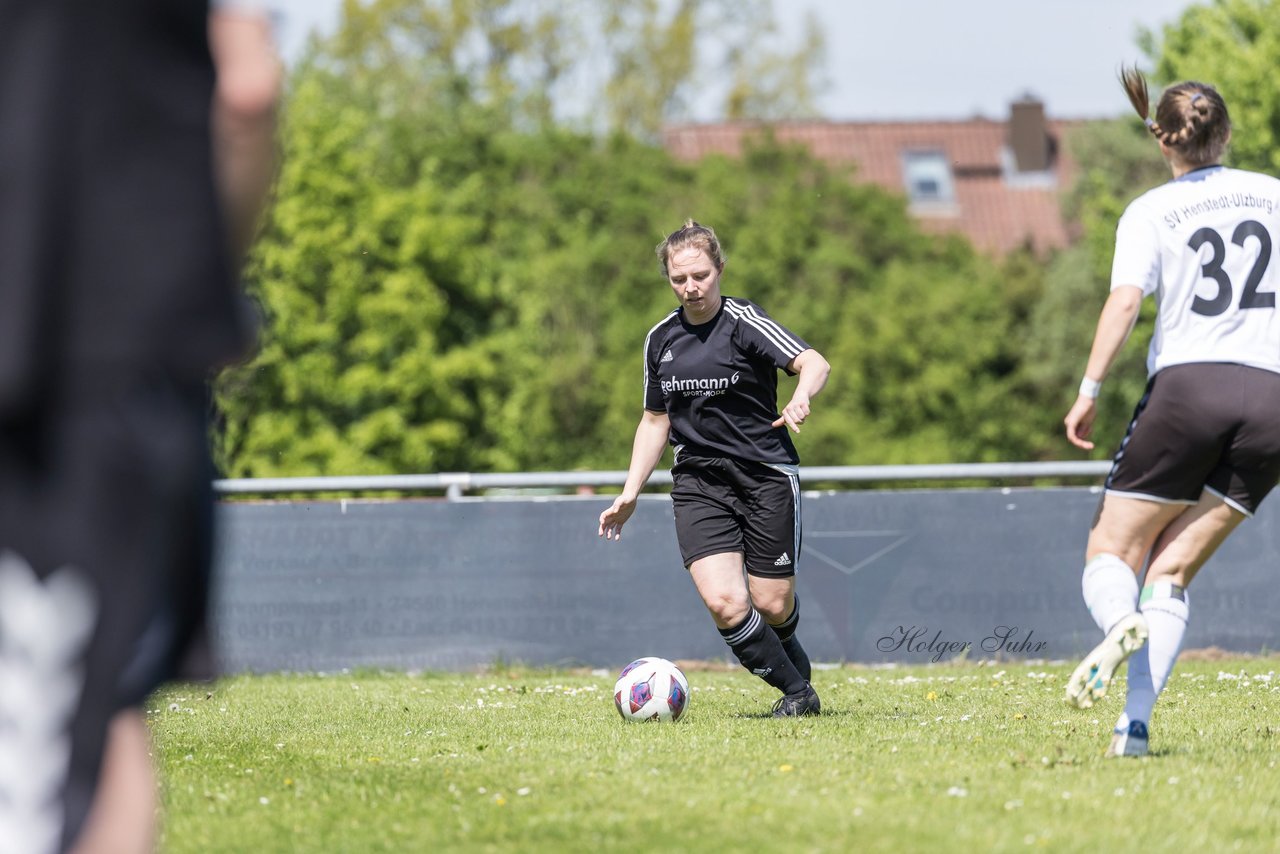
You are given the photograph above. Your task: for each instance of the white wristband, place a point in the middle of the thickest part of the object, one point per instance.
(1089, 388)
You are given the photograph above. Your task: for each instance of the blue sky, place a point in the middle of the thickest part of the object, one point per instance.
(921, 59)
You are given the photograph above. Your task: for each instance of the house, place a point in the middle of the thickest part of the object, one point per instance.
(997, 182)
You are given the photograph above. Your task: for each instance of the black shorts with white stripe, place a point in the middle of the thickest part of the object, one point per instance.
(724, 505)
(1202, 427)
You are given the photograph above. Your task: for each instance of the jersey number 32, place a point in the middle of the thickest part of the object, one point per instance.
(1212, 269)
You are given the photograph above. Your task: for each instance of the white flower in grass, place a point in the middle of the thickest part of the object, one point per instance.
(264, 801)
(957, 792)
(523, 790)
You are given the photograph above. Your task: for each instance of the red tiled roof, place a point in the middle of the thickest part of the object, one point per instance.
(996, 214)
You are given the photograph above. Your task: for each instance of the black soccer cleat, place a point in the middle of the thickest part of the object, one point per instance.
(795, 705)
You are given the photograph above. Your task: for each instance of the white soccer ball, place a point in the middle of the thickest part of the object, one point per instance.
(651, 689)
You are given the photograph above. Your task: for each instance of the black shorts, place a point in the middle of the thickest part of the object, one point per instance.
(724, 505)
(105, 535)
(1202, 427)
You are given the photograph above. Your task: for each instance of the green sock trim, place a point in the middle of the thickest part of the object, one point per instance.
(1162, 590)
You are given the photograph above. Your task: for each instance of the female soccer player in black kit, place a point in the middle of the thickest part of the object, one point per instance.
(711, 390)
(1203, 448)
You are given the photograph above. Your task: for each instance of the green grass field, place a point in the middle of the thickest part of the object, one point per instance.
(966, 757)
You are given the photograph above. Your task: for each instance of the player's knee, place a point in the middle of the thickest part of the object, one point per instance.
(774, 609)
(728, 609)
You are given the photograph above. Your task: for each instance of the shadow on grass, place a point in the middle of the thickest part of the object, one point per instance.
(767, 715)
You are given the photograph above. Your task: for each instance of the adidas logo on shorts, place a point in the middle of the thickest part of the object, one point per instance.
(667, 357)
(783, 560)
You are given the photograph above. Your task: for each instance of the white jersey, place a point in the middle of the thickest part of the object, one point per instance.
(1205, 244)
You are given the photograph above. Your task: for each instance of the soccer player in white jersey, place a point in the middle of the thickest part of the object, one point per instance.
(1203, 448)
(711, 391)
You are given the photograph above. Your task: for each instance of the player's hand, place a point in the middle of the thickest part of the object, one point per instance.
(1079, 422)
(612, 520)
(794, 413)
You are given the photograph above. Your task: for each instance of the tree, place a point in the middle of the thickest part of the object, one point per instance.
(1234, 45)
(1118, 160)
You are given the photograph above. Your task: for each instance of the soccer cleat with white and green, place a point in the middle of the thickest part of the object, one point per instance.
(1090, 680)
(1131, 741)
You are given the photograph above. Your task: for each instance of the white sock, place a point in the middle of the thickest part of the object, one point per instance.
(1165, 607)
(1110, 590)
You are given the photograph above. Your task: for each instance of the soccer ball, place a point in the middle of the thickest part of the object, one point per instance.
(651, 689)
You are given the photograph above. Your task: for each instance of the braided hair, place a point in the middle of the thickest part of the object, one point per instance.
(1191, 118)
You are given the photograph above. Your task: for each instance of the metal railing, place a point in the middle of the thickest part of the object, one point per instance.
(456, 484)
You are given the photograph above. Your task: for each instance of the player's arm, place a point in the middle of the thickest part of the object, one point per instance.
(244, 115)
(646, 450)
(1114, 325)
(813, 370)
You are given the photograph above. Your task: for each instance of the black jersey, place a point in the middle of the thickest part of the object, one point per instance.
(111, 244)
(718, 382)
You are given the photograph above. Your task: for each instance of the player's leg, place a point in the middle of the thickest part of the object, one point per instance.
(1171, 446)
(723, 588)
(1122, 535)
(772, 538)
(153, 627)
(709, 510)
(1179, 553)
(1245, 471)
(776, 600)
(122, 818)
(771, 541)
(774, 596)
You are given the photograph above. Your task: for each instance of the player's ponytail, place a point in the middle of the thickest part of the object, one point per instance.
(1191, 117)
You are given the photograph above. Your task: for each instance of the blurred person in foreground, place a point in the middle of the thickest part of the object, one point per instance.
(1203, 448)
(136, 153)
(711, 391)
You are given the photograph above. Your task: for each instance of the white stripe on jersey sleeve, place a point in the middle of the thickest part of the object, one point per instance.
(783, 340)
(647, 338)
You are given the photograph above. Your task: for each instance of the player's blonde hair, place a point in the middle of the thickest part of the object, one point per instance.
(1191, 117)
(691, 235)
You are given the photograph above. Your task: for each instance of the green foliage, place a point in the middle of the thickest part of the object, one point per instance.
(955, 757)
(1234, 45)
(467, 300)
(454, 279)
(1118, 161)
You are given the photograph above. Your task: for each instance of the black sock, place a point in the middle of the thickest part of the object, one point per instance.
(758, 648)
(786, 632)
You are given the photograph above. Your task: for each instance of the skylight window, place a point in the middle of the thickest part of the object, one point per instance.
(928, 177)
